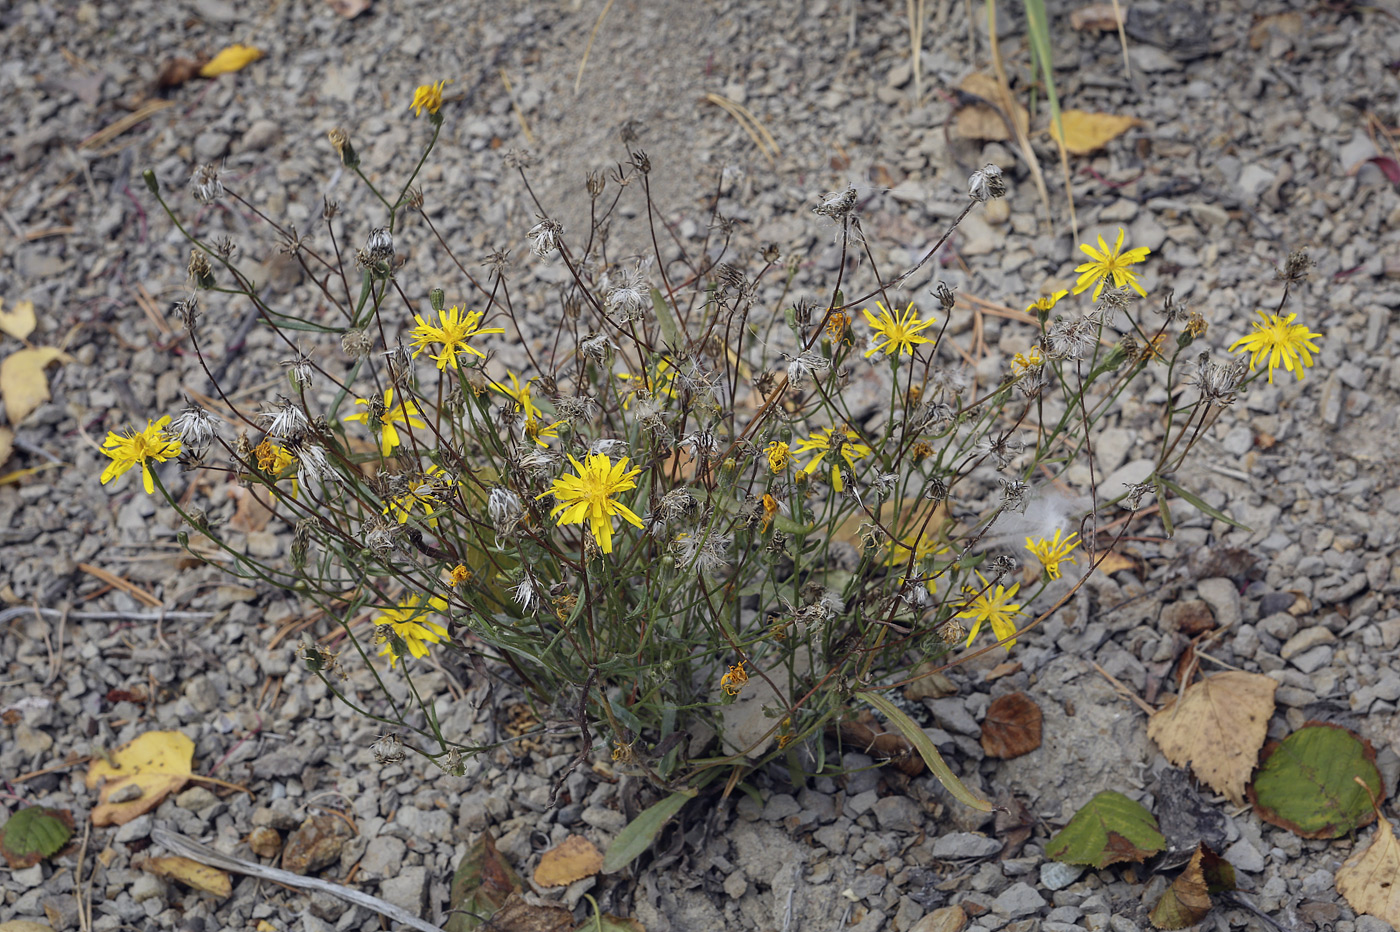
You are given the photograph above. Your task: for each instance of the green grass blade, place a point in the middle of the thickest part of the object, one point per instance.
(915, 735)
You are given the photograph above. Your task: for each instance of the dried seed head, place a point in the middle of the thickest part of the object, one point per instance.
(380, 245)
(415, 198)
(837, 205)
(544, 237)
(986, 182)
(1136, 491)
(517, 159)
(195, 428)
(946, 297)
(300, 370)
(1013, 494)
(357, 344)
(205, 184)
(187, 309)
(595, 182)
(225, 247)
(505, 509)
(630, 131)
(770, 252)
(641, 162)
(1219, 384)
(1296, 267)
(388, 749)
(340, 142)
(200, 271)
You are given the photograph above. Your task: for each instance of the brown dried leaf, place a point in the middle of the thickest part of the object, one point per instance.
(1012, 726)
(1187, 901)
(983, 120)
(930, 684)
(177, 71)
(1217, 726)
(1370, 879)
(1096, 17)
(348, 8)
(1289, 25)
(254, 510)
(516, 915)
(573, 859)
(192, 874)
(889, 747)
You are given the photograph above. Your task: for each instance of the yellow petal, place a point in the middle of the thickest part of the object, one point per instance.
(233, 58)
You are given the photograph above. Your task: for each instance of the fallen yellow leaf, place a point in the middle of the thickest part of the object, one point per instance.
(984, 121)
(265, 926)
(574, 859)
(7, 444)
(1089, 132)
(233, 58)
(1217, 726)
(20, 322)
(156, 763)
(23, 383)
(1370, 879)
(192, 874)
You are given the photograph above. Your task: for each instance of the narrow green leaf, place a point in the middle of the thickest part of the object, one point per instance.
(915, 736)
(1197, 501)
(641, 831)
(670, 333)
(1166, 514)
(1110, 829)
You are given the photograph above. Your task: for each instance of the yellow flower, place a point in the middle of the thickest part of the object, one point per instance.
(779, 456)
(826, 440)
(1284, 341)
(734, 680)
(272, 459)
(540, 432)
(588, 496)
(1051, 553)
(838, 327)
(996, 608)
(900, 332)
(771, 507)
(1022, 363)
(1045, 303)
(459, 575)
(453, 331)
(422, 491)
(139, 448)
(429, 96)
(409, 625)
(1108, 263)
(406, 413)
(662, 383)
(926, 546)
(520, 394)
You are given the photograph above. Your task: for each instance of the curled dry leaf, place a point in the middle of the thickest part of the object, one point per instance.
(23, 383)
(982, 120)
(19, 322)
(1088, 132)
(1096, 17)
(1370, 878)
(192, 874)
(233, 58)
(1187, 900)
(1012, 726)
(1217, 726)
(888, 747)
(177, 71)
(519, 915)
(573, 859)
(153, 765)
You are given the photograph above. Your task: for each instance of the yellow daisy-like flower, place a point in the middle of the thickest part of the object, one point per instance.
(1283, 340)
(996, 608)
(1051, 553)
(734, 680)
(662, 383)
(1045, 303)
(540, 432)
(588, 496)
(459, 575)
(429, 97)
(926, 546)
(423, 492)
(412, 629)
(138, 448)
(1022, 363)
(779, 456)
(520, 394)
(898, 331)
(844, 440)
(453, 331)
(1109, 263)
(406, 413)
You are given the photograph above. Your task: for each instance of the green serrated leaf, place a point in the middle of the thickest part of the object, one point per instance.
(670, 333)
(924, 745)
(639, 833)
(1308, 784)
(1110, 829)
(1197, 501)
(34, 833)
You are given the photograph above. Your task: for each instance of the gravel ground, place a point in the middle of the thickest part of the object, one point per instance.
(1254, 141)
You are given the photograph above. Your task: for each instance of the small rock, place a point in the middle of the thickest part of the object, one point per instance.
(1191, 617)
(265, 842)
(1244, 856)
(1224, 598)
(946, 919)
(146, 887)
(956, 845)
(290, 760)
(29, 877)
(211, 145)
(125, 794)
(899, 814)
(952, 714)
(1019, 899)
(1313, 660)
(1306, 640)
(408, 890)
(32, 741)
(861, 803)
(609, 820)
(383, 856)
(62, 911)
(861, 773)
(315, 844)
(1254, 181)
(1329, 407)
(196, 799)
(137, 828)
(1239, 441)
(1056, 875)
(260, 135)
(736, 885)
(779, 807)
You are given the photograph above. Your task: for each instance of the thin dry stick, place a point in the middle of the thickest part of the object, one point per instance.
(519, 114)
(756, 130)
(1122, 40)
(1123, 690)
(578, 81)
(917, 15)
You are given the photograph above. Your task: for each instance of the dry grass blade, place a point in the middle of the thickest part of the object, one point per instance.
(918, 15)
(1038, 28)
(112, 131)
(130, 588)
(756, 130)
(1122, 40)
(1008, 105)
(583, 63)
(519, 114)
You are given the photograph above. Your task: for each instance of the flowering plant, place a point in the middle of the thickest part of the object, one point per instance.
(694, 505)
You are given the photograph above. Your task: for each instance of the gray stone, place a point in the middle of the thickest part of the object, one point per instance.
(196, 799)
(383, 856)
(1329, 407)
(952, 714)
(964, 845)
(1239, 441)
(1245, 856)
(1254, 180)
(899, 814)
(1019, 899)
(609, 820)
(211, 145)
(861, 803)
(146, 886)
(408, 890)
(137, 828)
(736, 885)
(861, 772)
(1224, 599)
(1306, 640)
(290, 760)
(780, 806)
(29, 877)
(1313, 660)
(1056, 875)
(260, 135)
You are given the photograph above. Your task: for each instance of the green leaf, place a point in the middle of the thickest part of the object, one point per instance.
(670, 333)
(1110, 829)
(1196, 500)
(483, 882)
(34, 833)
(922, 743)
(1308, 784)
(639, 833)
